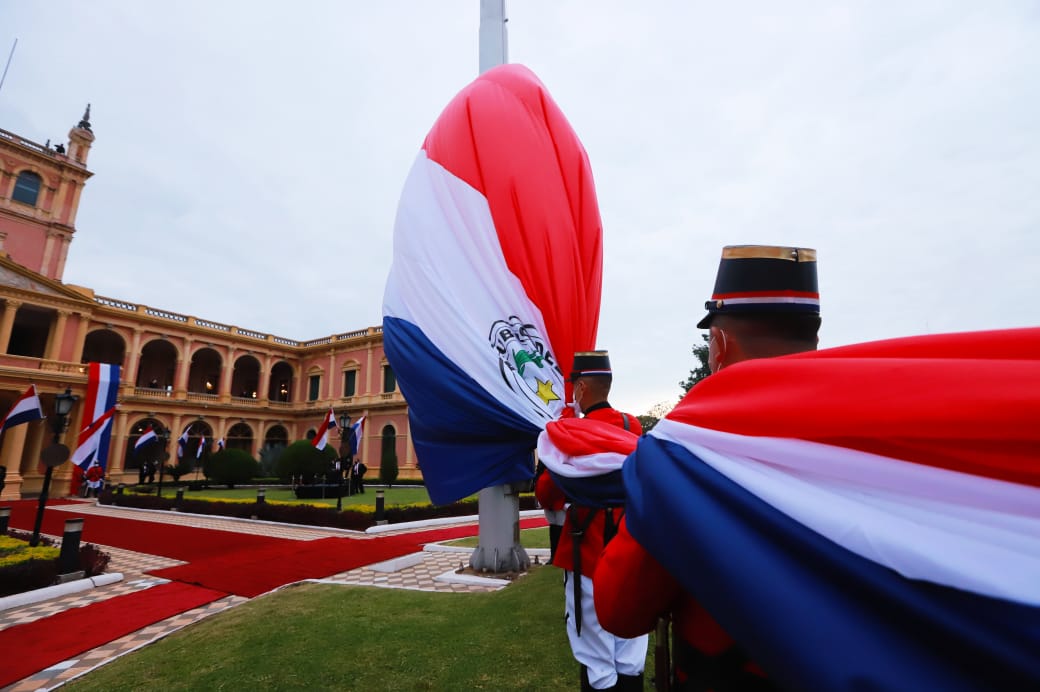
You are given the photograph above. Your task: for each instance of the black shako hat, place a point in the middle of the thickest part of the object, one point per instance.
(764, 279)
(590, 363)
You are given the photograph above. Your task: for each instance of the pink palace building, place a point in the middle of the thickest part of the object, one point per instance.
(255, 390)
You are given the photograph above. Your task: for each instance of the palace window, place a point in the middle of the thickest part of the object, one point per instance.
(314, 387)
(349, 382)
(389, 381)
(27, 188)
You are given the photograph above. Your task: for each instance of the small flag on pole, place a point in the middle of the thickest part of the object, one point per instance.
(202, 443)
(147, 436)
(356, 431)
(25, 410)
(182, 441)
(322, 438)
(220, 445)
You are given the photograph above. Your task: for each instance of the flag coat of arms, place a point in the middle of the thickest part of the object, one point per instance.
(865, 517)
(495, 281)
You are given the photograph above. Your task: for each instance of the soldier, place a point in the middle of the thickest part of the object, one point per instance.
(607, 661)
(765, 303)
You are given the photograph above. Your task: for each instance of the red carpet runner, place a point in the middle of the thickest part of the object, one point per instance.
(36, 645)
(253, 572)
(220, 562)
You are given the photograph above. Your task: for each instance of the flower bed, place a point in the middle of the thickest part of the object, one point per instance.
(24, 568)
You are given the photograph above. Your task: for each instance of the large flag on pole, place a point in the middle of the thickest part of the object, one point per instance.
(495, 281)
(25, 410)
(322, 438)
(865, 516)
(88, 446)
(100, 399)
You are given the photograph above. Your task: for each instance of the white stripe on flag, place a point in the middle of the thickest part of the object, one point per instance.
(461, 256)
(969, 532)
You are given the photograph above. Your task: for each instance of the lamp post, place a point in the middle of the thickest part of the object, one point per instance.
(344, 456)
(164, 436)
(55, 455)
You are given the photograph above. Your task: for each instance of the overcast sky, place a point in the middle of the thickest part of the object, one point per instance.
(250, 155)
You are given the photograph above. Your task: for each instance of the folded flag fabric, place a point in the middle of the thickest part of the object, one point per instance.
(201, 447)
(584, 457)
(495, 282)
(862, 517)
(26, 409)
(322, 438)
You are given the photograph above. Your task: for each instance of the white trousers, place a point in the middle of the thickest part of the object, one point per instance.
(597, 649)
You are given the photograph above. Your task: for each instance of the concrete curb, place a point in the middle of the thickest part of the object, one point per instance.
(49, 592)
(442, 521)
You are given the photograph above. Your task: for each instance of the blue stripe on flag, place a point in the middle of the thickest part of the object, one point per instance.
(444, 405)
(605, 490)
(813, 614)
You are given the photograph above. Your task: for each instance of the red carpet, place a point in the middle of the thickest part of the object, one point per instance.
(152, 537)
(253, 572)
(31, 647)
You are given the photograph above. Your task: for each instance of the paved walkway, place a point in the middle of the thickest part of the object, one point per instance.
(433, 569)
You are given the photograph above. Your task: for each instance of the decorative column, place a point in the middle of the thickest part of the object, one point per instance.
(180, 385)
(134, 358)
(117, 447)
(332, 366)
(81, 337)
(57, 335)
(11, 456)
(264, 391)
(226, 376)
(7, 322)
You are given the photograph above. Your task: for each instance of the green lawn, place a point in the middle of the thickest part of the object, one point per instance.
(362, 638)
(529, 538)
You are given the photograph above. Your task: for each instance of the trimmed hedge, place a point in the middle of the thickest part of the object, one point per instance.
(308, 515)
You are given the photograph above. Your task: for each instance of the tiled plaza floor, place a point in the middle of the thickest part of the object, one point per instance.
(426, 571)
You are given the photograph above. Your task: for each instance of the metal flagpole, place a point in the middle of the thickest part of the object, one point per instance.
(498, 548)
(4, 76)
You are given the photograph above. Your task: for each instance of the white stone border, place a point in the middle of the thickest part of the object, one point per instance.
(48, 592)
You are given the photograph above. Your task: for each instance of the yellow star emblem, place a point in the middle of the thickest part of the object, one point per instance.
(545, 391)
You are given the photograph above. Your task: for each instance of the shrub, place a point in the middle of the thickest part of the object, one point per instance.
(183, 467)
(302, 460)
(23, 568)
(231, 466)
(388, 466)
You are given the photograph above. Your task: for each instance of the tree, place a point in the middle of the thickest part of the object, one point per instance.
(388, 465)
(658, 411)
(301, 459)
(702, 371)
(231, 466)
